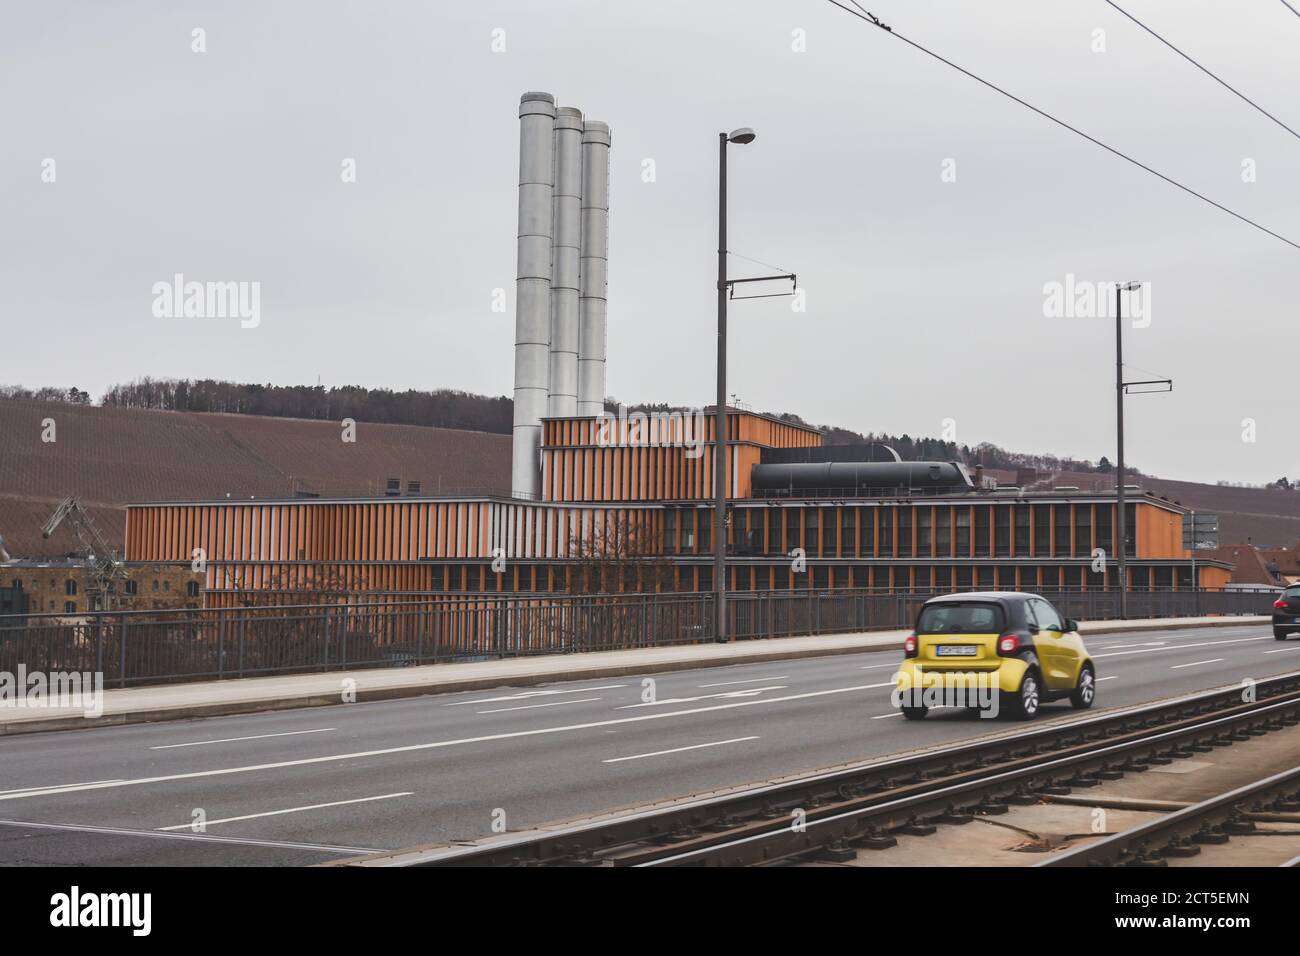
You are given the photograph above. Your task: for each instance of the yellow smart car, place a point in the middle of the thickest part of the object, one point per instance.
(995, 651)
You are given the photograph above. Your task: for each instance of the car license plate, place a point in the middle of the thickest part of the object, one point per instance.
(957, 650)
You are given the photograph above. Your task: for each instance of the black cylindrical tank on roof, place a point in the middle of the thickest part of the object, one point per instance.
(850, 476)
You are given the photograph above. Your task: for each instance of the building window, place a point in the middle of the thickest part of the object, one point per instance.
(868, 532)
(1105, 537)
(1062, 544)
(886, 535)
(829, 531)
(963, 532)
(1042, 530)
(155, 584)
(1022, 532)
(1083, 530)
(1002, 530)
(69, 607)
(923, 525)
(905, 532)
(192, 588)
(70, 587)
(943, 532)
(848, 531)
(758, 531)
(811, 531)
(983, 542)
(131, 587)
(167, 585)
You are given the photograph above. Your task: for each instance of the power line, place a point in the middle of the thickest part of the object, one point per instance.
(869, 18)
(1291, 8)
(1216, 79)
(759, 262)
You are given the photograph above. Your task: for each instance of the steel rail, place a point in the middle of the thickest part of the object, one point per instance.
(659, 833)
(1183, 832)
(837, 828)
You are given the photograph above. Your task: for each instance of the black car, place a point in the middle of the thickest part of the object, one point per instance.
(1286, 613)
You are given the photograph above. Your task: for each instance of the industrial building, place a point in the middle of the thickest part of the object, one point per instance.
(899, 526)
(634, 493)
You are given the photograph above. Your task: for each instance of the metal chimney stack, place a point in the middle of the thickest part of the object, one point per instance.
(533, 288)
(593, 268)
(560, 307)
(565, 249)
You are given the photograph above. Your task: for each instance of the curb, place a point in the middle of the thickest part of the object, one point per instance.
(590, 671)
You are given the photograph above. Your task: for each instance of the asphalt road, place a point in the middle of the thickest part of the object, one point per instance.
(306, 786)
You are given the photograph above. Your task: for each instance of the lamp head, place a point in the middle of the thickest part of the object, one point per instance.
(741, 136)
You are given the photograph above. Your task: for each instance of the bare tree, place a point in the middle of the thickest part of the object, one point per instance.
(616, 554)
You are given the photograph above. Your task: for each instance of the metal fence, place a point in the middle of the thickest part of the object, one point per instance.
(139, 647)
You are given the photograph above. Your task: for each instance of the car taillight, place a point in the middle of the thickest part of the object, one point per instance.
(1280, 604)
(910, 645)
(1008, 644)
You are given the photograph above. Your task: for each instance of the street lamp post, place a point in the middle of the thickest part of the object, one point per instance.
(739, 137)
(1121, 387)
(1120, 522)
(726, 290)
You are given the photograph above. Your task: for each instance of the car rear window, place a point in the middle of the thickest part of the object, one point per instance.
(960, 617)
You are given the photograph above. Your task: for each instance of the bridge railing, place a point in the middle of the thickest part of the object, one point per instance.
(406, 629)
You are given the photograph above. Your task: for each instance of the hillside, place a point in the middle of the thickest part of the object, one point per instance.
(110, 456)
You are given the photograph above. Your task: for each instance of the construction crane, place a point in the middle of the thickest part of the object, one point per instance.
(105, 567)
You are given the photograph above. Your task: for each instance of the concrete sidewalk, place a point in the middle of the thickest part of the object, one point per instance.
(253, 694)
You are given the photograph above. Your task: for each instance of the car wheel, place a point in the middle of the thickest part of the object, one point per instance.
(1279, 634)
(1085, 692)
(1024, 703)
(915, 713)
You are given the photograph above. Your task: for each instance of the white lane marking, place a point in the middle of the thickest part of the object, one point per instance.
(47, 786)
(276, 813)
(756, 680)
(557, 703)
(1294, 647)
(874, 667)
(528, 694)
(231, 740)
(897, 713)
(1104, 647)
(751, 692)
(438, 744)
(199, 837)
(677, 750)
(1100, 679)
(1213, 660)
(1180, 647)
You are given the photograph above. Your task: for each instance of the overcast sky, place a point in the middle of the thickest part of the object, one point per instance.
(925, 298)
